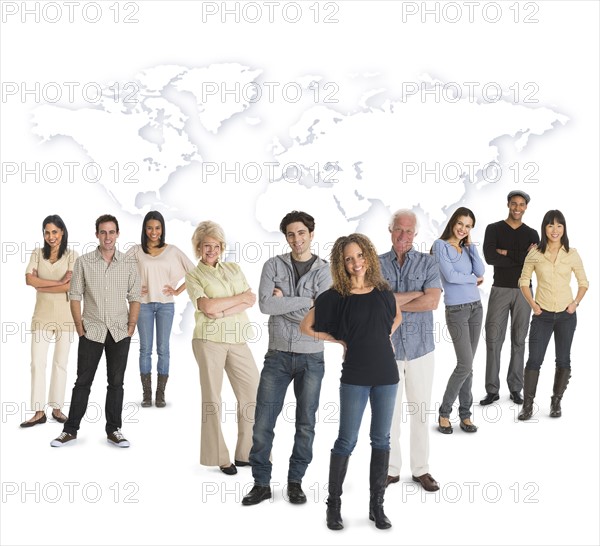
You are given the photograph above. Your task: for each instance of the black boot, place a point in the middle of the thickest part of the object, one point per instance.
(147, 388)
(561, 380)
(379, 467)
(529, 388)
(160, 391)
(338, 464)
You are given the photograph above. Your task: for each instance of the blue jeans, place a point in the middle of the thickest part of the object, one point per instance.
(163, 313)
(464, 324)
(353, 400)
(280, 368)
(543, 326)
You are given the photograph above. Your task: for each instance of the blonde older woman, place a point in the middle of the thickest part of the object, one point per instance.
(221, 295)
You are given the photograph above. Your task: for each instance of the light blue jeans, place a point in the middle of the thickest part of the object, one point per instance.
(162, 314)
(353, 400)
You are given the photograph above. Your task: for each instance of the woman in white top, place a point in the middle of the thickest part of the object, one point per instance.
(161, 266)
(49, 272)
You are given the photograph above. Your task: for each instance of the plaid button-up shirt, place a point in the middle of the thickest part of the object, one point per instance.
(105, 289)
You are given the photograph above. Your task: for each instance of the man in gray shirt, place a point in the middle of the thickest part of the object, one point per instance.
(289, 285)
(106, 281)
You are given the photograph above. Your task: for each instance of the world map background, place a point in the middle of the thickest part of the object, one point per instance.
(162, 137)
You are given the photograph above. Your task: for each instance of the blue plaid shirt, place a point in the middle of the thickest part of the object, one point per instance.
(414, 338)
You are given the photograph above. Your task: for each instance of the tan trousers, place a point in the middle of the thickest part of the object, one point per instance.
(237, 361)
(39, 355)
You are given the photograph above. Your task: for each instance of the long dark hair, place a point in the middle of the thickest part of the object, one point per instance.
(153, 215)
(460, 211)
(551, 217)
(58, 222)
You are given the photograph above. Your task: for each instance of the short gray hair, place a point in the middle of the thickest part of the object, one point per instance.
(404, 212)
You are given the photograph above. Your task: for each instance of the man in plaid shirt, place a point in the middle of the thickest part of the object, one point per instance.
(106, 282)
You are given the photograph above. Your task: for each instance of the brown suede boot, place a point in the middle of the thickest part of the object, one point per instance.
(160, 391)
(147, 388)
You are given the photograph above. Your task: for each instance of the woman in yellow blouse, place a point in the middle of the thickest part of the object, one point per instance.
(554, 308)
(49, 272)
(221, 295)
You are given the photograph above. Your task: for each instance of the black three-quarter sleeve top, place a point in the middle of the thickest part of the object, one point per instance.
(364, 323)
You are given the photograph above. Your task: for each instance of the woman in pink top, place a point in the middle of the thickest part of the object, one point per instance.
(161, 266)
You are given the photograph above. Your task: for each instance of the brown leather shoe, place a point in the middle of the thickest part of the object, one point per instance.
(392, 479)
(427, 482)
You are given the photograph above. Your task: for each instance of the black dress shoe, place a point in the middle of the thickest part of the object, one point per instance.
(295, 493)
(40, 421)
(241, 463)
(467, 428)
(489, 398)
(443, 429)
(229, 470)
(257, 494)
(515, 396)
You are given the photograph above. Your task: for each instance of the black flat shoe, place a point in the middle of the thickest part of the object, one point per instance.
(241, 463)
(443, 429)
(40, 421)
(229, 470)
(467, 428)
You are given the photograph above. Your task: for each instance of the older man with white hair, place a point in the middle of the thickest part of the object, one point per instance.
(415, 279)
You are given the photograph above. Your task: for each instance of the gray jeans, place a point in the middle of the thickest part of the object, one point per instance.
(503, 301)
(464, 324)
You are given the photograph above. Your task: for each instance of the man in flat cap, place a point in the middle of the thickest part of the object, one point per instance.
(505, 246)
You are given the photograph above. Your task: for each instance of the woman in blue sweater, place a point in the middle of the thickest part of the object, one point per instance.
(461, 270)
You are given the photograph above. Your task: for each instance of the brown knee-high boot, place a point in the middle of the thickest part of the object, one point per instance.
(561, 380)
(529, 388)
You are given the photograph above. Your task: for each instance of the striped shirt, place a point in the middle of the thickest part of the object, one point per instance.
(105, 289)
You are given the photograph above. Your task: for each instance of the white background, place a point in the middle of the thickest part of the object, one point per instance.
(530, 483)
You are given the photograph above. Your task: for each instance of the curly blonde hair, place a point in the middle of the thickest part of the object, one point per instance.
(341, 278)
(205, 229)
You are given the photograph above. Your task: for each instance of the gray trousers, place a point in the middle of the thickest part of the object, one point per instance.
(502, 302)
(464, 324)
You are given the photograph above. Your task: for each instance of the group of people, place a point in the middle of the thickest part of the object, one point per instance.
(379, 308)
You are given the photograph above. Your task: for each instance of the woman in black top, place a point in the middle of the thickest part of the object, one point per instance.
(359, 312)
